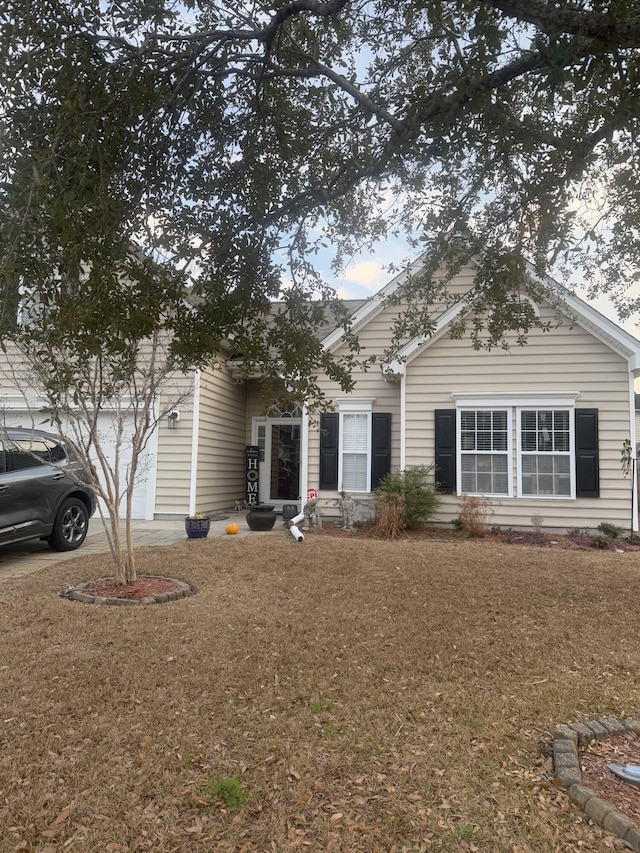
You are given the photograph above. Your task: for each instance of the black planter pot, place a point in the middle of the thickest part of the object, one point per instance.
(197, 528)
(261, 517)
(289, 511)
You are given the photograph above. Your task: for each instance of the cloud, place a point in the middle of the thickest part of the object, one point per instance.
(366, 274)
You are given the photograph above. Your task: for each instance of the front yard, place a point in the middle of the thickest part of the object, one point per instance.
(338, 694)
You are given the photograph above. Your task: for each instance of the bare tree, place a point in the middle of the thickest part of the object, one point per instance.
(73, 398)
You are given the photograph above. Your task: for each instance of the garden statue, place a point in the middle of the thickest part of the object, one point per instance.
(347, 506)
(311, 514)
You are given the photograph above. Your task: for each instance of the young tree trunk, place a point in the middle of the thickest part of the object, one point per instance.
(131, 572)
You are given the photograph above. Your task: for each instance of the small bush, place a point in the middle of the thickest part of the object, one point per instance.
(610, 531)
(600, 541)
(389, 512)
(419, 498)
(510, 536)
(474, 514)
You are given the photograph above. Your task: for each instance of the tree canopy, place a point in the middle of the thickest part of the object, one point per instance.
(229, 142)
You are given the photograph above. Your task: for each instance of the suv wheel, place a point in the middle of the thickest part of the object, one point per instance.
(70, 526)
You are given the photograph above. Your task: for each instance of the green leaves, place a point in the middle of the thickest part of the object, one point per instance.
(225, 143)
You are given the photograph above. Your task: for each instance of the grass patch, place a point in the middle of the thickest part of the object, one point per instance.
(377, 695)
(228, 789)
(320, 706)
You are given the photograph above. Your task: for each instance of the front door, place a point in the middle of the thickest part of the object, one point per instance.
(279, 466)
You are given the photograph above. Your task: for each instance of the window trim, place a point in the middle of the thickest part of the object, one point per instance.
(517, 402)
(361, 406)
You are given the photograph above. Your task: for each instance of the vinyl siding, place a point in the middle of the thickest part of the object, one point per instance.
(220, 440)
(373, 338)
(255, 407)
(219, 449)
(173, 475)
(566, 359)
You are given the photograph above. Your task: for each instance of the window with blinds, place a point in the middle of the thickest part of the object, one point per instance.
(355, 451)
(546, 449)
(484, 458)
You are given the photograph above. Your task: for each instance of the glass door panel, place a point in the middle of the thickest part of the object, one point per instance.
(285, 462)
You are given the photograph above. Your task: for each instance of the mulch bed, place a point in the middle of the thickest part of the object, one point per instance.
(582, 542)
(597, 777)
(143, 587)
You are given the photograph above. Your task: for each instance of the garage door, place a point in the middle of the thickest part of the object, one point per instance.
(107, 433)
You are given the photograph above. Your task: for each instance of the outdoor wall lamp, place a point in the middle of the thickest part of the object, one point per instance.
(173, 418)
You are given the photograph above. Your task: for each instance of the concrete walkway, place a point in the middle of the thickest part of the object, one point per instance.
(27, 557)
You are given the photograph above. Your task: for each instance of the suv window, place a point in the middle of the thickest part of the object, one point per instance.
(29, 453)
(57, 453)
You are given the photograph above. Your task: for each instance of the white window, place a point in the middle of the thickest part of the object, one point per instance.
(542, 432)
(484, 451)
(545, 448)
(354, 458)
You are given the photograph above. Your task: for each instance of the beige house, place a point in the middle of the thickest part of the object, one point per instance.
(537, 430)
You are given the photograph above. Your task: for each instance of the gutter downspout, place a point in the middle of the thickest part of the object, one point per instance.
(304, 457)
(403, 420)
(195, 434)
(632, 436)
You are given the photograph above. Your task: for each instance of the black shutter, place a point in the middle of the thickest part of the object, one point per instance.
(329, 451)
(445, 450)
(380, 447)
(587, 462)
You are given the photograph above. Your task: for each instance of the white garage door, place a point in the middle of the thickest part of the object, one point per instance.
(107, 432)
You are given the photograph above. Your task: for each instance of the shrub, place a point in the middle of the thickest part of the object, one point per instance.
(474, 513)
(610, 531)
(419, 499)
(389, 510)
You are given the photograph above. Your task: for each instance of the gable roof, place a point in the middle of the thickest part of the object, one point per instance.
(372, 306)
(579, 311)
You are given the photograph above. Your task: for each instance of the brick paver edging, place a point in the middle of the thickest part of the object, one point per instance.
(566, 740)
(77, 593)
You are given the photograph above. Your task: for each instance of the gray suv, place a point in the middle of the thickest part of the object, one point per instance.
(45, 491)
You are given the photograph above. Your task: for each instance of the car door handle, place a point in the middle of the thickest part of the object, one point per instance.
(59, 476)
(4, 489)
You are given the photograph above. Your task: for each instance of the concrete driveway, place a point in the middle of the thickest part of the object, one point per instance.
(27, 557)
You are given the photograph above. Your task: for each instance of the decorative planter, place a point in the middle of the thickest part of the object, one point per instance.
(261, 517)
(197, 528)
(289, 511)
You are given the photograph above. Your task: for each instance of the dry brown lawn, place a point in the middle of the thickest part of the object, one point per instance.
(363, 695)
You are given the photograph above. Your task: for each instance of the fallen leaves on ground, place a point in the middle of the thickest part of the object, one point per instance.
(368, 696)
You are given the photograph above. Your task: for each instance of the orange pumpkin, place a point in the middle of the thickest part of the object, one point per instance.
(231, 529)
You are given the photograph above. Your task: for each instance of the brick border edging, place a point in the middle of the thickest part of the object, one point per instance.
(566, 764)
(77, 593)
